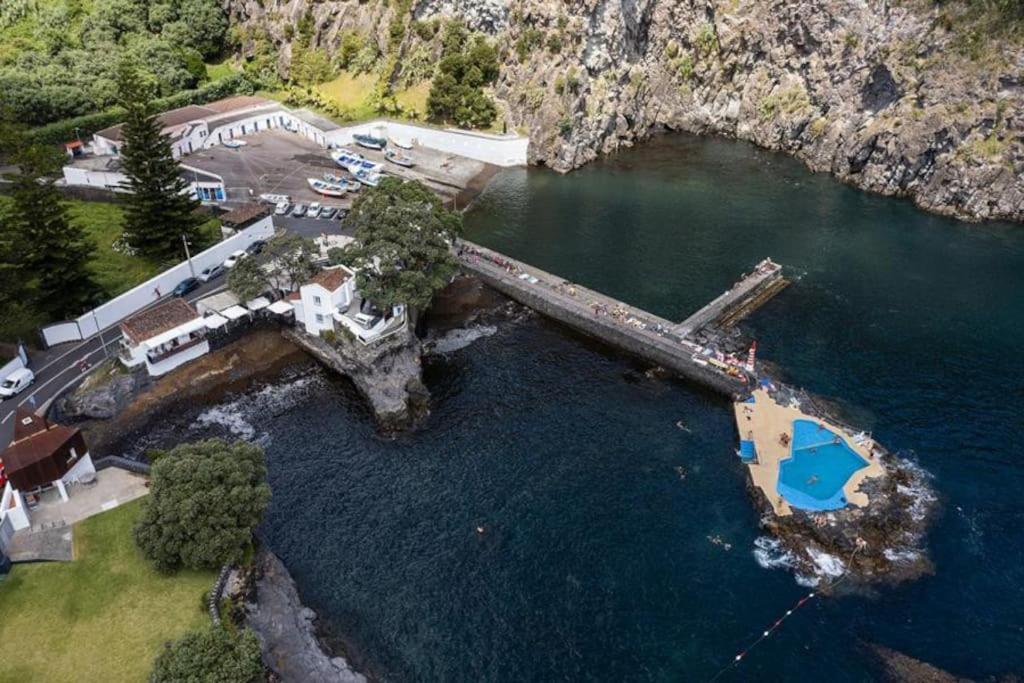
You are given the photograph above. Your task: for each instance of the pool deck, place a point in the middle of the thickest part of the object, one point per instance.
(765, 420)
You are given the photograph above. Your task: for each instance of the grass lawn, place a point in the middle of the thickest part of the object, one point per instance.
(102, 617)
(415, 98)
(216, 71)
(351, 92)
(115, 272)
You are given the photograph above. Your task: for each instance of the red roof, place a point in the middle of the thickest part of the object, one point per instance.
(294, 296)
(332, 279)
(157, 320)
(37, 454)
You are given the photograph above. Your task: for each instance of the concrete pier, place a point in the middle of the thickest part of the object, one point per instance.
(626, 327)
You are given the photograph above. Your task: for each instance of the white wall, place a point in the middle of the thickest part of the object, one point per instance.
(10, 366)
(12, 506)
(329, 303)
(168, 364)
(151, 291)
(500, 150)
(221, 133)
(81, 468)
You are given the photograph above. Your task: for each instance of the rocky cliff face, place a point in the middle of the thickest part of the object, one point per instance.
(900, 98)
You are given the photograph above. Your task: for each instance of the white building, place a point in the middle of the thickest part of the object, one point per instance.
(163, 337)
(329, 292)
(331, 302)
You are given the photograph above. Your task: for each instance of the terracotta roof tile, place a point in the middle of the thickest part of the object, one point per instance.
(245, 215)
(160, 318)
(332, 278)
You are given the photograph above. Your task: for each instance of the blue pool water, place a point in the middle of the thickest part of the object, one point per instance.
(820, 465)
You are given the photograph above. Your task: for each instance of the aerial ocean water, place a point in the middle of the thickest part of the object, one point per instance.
(615, 545)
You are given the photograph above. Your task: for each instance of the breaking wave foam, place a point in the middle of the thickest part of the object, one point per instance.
(460, 338)
(239, 416)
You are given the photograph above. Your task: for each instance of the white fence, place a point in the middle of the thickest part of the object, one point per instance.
(500, 150)
(119, 308)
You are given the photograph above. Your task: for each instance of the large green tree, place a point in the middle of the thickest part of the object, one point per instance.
(286, 263)
(159, 210)
(402, 247)
(205, 500)
(210, 655)
(45, 256)
(466, 66)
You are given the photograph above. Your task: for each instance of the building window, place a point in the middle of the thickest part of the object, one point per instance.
(319, 318)
(316, 301)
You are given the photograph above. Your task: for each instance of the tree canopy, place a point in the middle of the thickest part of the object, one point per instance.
(285, 265)
(43, 255)
(59, 58)
(210, 655)
(205, 500)
(402, 248)
(466, 66)
(159, 211)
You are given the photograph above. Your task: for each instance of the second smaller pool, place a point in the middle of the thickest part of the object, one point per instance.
(820, 464)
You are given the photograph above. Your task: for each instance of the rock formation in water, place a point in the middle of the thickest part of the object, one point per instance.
(388, 373)
(901, 98)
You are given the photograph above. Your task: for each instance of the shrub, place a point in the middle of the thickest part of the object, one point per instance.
(211, 654)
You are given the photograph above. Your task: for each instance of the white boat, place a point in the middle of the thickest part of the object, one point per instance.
(400, 159)
(404, 143)
(348, 183)
(235, 144)
(325, 188)
(369, 141)
(368, 177)
(354, 163)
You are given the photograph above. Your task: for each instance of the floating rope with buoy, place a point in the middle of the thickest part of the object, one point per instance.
(778, 622)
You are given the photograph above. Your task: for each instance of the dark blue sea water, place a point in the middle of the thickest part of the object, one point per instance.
(596, 562)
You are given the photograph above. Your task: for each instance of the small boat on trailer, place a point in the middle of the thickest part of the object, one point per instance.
(404, 143)
(234, 144)
(325, 188)
(398, 158)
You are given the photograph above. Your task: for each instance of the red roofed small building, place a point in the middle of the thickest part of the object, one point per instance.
(163, 337)
(42, 455)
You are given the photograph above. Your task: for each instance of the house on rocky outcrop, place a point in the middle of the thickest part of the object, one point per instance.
(330, 302)
(42, 456)
(163, 337)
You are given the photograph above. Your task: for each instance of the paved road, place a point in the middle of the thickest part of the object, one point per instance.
(64, 367)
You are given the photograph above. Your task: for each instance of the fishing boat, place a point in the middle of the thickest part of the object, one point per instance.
(348, 183)
(369, 141)
(400, 159)
(354, 162)
(368, 177)
(404, 143)
(325, 188)
(234, 144)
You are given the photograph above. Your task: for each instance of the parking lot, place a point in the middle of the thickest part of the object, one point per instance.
(279, 162)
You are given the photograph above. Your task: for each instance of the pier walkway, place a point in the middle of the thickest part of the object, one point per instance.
(626, 327)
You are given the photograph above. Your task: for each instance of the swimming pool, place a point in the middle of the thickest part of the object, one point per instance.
(820, 464)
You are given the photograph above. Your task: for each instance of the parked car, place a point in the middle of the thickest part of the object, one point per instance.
(255, 248)
(211, 273)
(299, 211)
(237, 256)
(185, 286)
(328, 213)
(16, 382)
(282, 208)
(314, 210)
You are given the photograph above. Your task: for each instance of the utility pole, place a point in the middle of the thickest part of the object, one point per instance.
(103, 342)
(188, 256)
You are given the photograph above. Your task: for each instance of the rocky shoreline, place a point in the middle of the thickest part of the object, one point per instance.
(911, 99)
(286, 629)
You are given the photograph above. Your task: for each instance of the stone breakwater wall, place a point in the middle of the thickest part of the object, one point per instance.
(575, 312)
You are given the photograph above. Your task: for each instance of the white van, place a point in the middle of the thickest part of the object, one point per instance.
(16, 382)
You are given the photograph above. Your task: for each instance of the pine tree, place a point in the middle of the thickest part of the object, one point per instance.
(159, 210)
(48, 253)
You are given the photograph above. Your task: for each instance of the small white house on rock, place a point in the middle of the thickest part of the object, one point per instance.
(329, 292)
(163, 337)
(331, 302)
